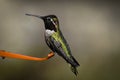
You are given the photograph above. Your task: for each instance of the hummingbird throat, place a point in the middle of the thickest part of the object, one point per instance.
(49, 32)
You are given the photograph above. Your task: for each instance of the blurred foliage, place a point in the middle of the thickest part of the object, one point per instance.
(91, 28)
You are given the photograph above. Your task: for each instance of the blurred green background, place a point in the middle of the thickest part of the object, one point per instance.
(91, 28)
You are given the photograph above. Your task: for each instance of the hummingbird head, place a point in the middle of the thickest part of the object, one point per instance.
(51, 21)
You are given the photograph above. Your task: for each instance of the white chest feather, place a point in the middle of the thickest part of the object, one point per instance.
(49, 32)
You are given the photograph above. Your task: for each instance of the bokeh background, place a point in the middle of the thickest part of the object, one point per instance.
(92, 28)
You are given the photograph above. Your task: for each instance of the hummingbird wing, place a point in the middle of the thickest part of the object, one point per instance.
(56, 46)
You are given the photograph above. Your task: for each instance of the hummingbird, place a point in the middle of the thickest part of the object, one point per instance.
(56, 41)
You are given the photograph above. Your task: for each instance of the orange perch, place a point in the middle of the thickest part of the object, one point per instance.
(20, 56)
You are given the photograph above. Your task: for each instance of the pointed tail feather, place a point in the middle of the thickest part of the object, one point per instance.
(74, 67)
(74, 70)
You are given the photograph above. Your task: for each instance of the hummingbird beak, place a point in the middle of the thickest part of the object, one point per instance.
(35, 16)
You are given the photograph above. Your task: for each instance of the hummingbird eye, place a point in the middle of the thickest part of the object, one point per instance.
(52, 20)
(49, 19)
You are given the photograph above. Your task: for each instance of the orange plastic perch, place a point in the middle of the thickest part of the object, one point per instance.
(20, 56)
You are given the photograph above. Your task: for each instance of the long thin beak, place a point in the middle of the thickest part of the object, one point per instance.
(34, 15)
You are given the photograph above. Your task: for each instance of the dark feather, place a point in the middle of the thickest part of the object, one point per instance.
(56, 47)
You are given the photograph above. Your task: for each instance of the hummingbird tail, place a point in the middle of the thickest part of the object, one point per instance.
(74, 66)
(74, 69)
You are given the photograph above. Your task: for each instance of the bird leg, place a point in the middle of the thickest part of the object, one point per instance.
(5, 54)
